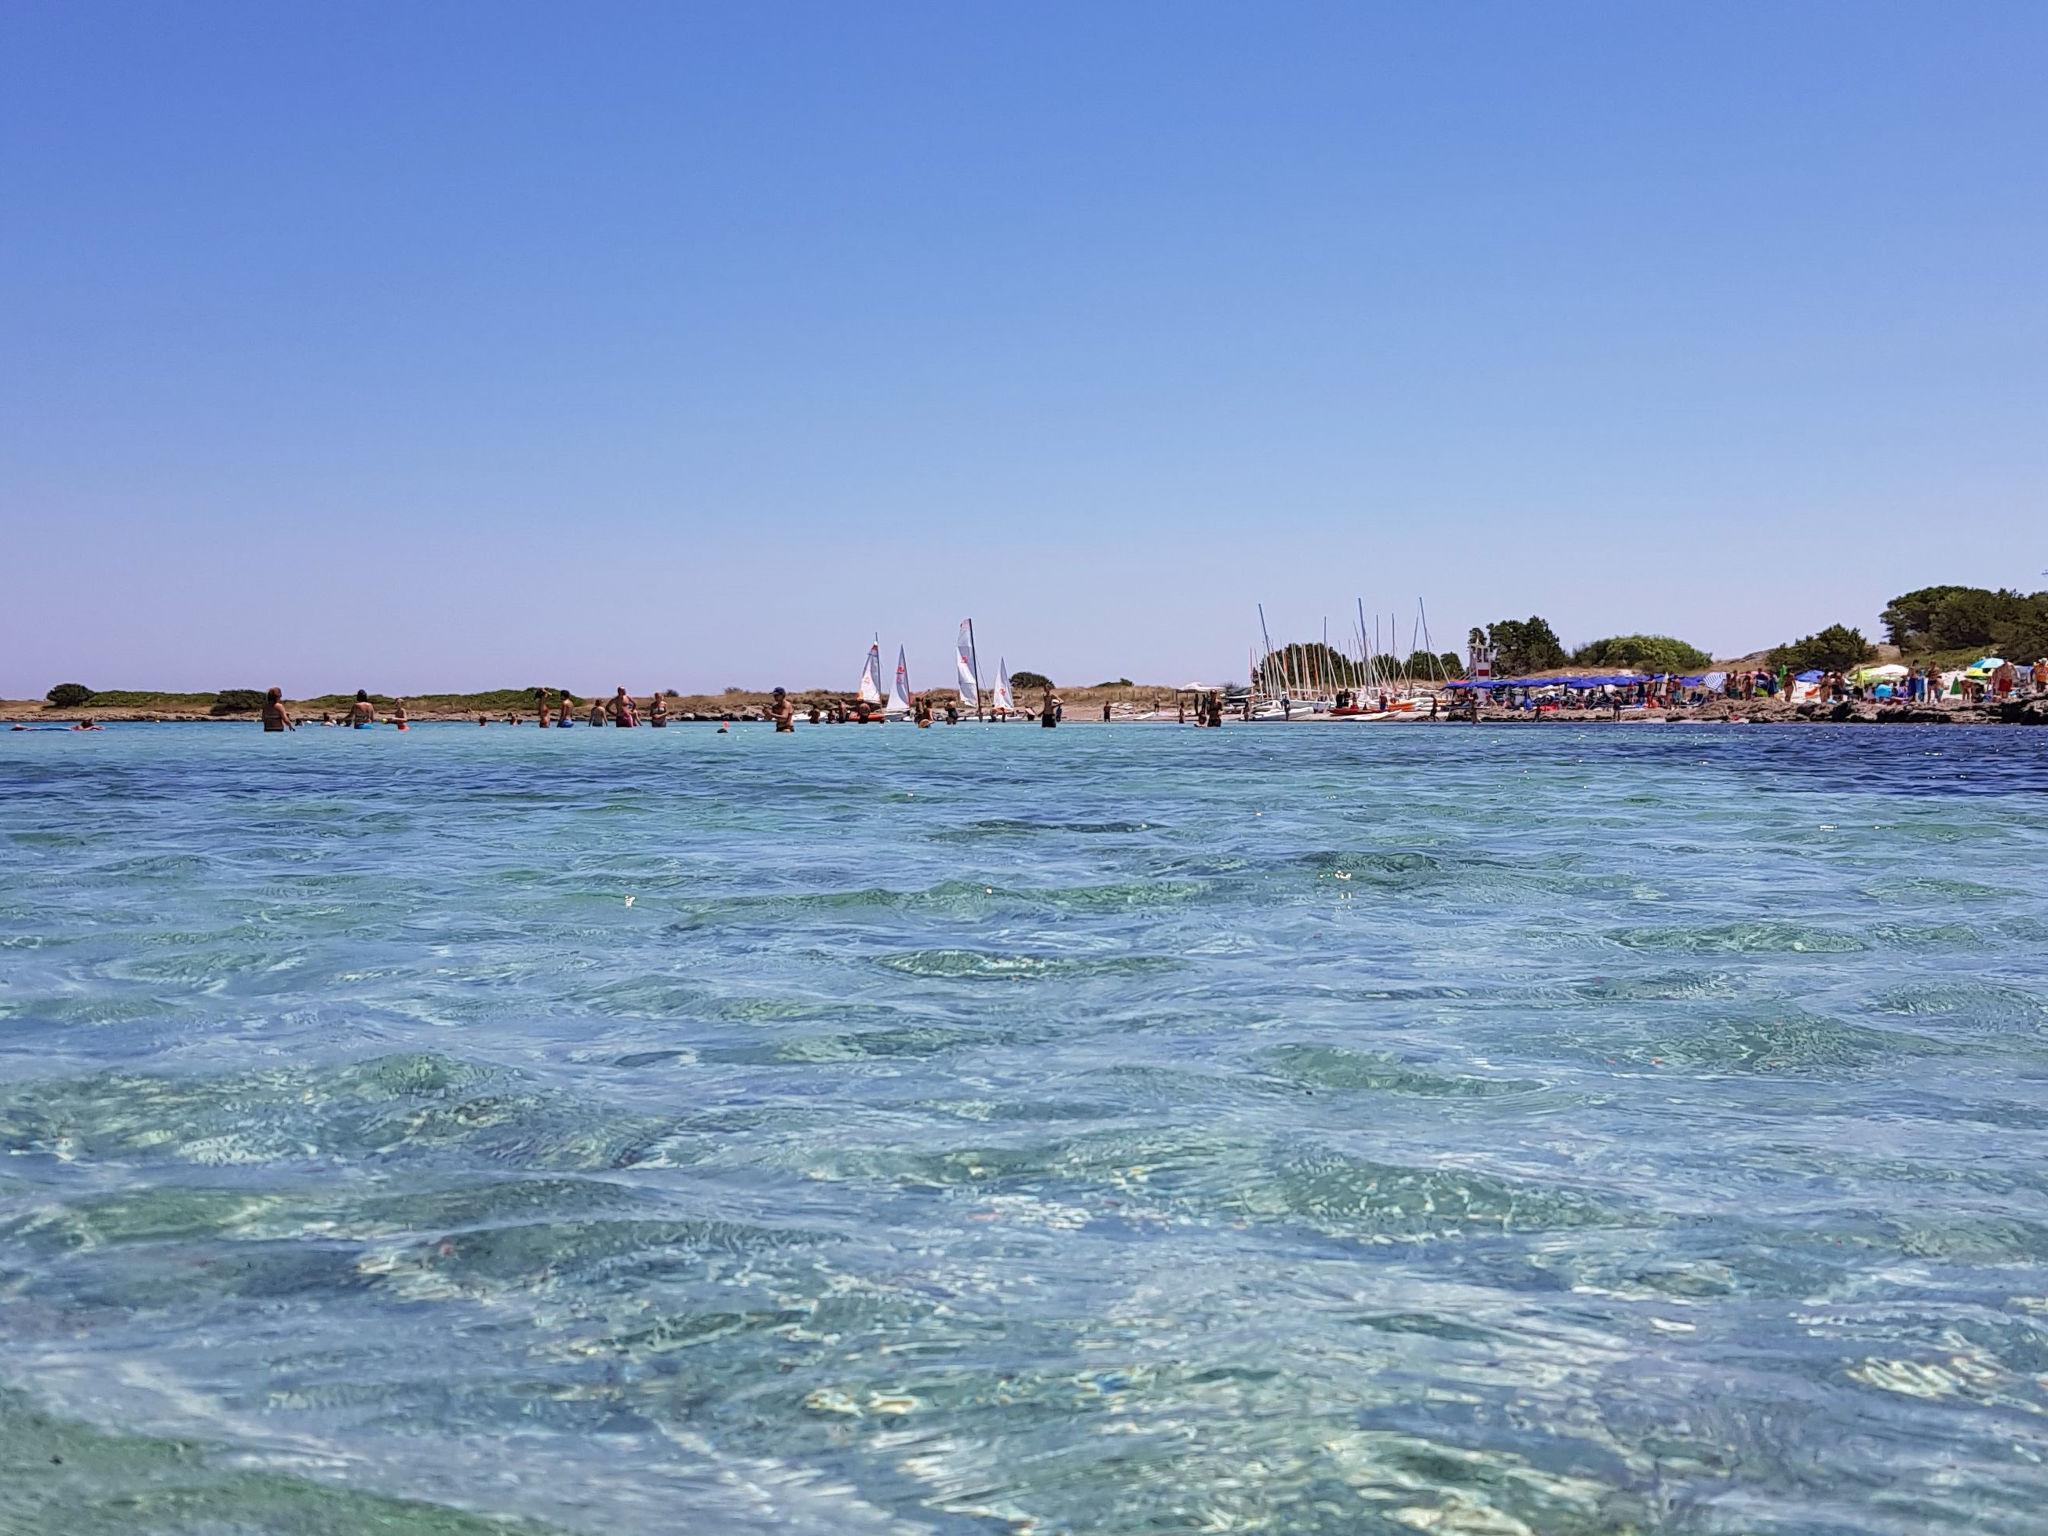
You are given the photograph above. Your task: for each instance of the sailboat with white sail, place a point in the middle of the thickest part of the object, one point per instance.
(870, 691)
(969, 668)
(898, 707)
(999, 691)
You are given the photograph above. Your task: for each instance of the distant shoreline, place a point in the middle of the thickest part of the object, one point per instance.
(1084, 707)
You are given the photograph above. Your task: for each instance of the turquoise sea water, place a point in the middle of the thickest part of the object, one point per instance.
(1118, 1129)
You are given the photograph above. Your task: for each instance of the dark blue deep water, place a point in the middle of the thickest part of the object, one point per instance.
(1111, 1130)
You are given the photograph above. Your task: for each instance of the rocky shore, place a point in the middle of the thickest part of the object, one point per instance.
(2029, 711)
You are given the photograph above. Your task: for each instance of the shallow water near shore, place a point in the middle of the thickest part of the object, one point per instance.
(1118, 1129)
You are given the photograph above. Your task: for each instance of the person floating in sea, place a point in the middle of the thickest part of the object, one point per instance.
(362, 714)
(275, 716)
(87, 725)
(326, 718)
(782, 712)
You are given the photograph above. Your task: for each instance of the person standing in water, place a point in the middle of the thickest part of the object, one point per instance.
(657, 713)
(275, 716)
(1048, 711)
(398, 717)
(362, 714)
(540, 702)
(565, 706)
(622, 710)
(597, 711)
(782, 712)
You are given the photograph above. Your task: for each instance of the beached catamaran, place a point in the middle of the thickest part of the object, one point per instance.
(1374, 684)
(999, 691)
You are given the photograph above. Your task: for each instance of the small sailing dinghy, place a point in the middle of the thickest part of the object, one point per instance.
(968, 667)
(870, 691)
(999, 691)
(899, 696)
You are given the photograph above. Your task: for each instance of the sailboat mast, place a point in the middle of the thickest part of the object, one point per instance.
(1266, 637)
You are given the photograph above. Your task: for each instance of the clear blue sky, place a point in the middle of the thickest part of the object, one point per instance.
(465, 345)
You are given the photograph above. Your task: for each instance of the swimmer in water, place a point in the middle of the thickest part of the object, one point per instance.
(275, 716)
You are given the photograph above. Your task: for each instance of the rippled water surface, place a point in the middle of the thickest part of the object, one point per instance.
(1118, 1129)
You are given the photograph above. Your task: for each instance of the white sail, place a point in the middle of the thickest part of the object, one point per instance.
(871, 676)
(999, 690)
(970, 688)
(899, 696)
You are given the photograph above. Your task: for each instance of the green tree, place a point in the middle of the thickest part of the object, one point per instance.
(1647, 653)
(1834, 649)
(1969, 618)
(69, 695)
(1029, 680)
(1452, 666)
(1909, 618)
(2023, 632)
(1524, 645)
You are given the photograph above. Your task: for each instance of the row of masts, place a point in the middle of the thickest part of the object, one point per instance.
(1369, 663)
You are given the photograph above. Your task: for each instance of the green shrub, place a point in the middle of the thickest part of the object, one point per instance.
(69, 695)
(1029, 680)
(1834, 649)
(1647, 653)
(238, 701)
